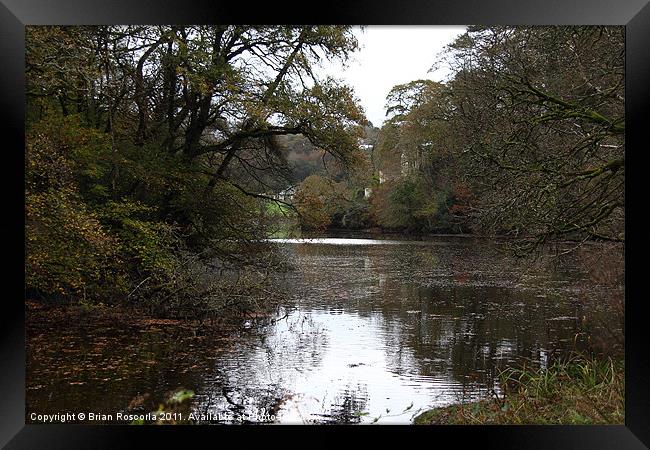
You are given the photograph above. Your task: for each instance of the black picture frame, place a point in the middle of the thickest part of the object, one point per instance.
(15, 14)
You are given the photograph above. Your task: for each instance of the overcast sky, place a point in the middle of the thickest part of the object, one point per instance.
(392, 55)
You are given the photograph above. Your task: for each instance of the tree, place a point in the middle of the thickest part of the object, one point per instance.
(184, 123)
(321, 201)
(539, 113)
(419, 176)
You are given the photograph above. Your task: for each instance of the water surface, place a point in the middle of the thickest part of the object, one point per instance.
(373, 331)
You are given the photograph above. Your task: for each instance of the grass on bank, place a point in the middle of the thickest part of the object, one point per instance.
(575, 391)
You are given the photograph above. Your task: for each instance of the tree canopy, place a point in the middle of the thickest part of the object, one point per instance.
(167, 137)
(527, 135)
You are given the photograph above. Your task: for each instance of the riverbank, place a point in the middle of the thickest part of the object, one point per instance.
(575, 392)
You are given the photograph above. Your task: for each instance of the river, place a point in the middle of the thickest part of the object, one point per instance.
(373, 331)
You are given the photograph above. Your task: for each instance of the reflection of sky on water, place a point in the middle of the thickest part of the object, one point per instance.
(358, 353)
(350, 356)
(335, 241)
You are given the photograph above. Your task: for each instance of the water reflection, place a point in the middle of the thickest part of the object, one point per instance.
(375, 333)
(334, 241)
(333, 366)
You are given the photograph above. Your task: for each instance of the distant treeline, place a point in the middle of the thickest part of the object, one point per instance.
(525, 139)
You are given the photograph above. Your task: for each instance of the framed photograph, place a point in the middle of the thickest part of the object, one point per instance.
(381, 218)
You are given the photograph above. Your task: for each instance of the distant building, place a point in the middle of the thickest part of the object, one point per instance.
(287, 194)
